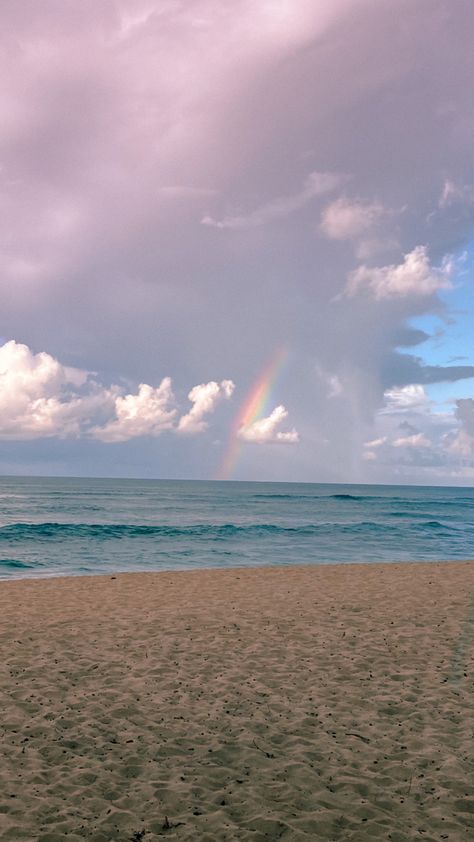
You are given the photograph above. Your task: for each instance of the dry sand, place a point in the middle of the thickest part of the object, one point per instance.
(319, 703)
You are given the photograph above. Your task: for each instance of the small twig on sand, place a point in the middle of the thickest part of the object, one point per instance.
(409, 785)
(266, 753)
(167, 825)
(359, 736)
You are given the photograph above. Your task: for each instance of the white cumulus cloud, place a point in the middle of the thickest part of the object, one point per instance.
(316, 184)
(41, 398)
(403, 398)
(204, 398)
(413, 277)
(147, 413)
(38, 395)
(265, 430)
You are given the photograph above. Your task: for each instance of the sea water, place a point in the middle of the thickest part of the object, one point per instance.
(55, 527)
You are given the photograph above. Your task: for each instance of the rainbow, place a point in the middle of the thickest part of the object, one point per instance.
(253, 408)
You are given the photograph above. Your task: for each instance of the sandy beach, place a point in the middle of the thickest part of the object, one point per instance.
(261, 704)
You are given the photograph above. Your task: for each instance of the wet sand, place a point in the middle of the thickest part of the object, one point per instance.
(318, 703)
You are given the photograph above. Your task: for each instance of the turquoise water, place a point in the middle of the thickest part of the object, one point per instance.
(51, 527)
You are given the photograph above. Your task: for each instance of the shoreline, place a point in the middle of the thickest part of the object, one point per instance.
(287, 702)
(230, 568)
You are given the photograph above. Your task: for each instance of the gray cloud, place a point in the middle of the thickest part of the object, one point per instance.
(465, 413)
(125, 124)
(316, 184)
(402, 369)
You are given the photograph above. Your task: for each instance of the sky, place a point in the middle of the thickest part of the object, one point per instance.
(236, 239)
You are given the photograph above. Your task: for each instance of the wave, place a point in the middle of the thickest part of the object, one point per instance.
(41, 531)
(339, 496)
(67, 508)
(286, 497)
(348, 497)
(18, 532)
(14, 564)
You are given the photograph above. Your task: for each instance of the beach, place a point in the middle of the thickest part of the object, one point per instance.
(325, 702)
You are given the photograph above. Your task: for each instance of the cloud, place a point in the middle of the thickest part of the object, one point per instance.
(376, 442)
(38, 395)
(334, 385)
(349, 219)
(371, 447)
(454, 193)
(332, 381)
(41, 398)
(401, 399)
(408, 428)
(316, 184)
(416, 440)
(183, 191)
(414, 277)
(368, 225)
(187, 110)
(465, 413)
(407, 369)
(420, 438)
(463, 443)
(264, 431)
(204, 398)
(147, 413)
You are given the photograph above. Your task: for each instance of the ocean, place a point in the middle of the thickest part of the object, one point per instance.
(58, 527)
